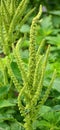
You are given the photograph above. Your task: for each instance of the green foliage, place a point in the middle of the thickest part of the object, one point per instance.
(12, 17)
(50, 121)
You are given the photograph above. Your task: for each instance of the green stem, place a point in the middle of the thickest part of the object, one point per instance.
(5, 76)
(28, 124)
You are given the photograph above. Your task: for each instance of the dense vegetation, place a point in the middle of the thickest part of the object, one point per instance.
(29, 65)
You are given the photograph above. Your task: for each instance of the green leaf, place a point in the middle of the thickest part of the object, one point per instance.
(7, 103)
(4, 126)
(6, 116)
(25, 44)
(56, 21)
(46, 26)
(16, 70)
(44, 123)
(4, 90)
(52, 117)
(16, 126)
(56, 108)
(25, 55)
(54, 40)
(25, 28)
(44, 109)
(55, 12)
(56, 85)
